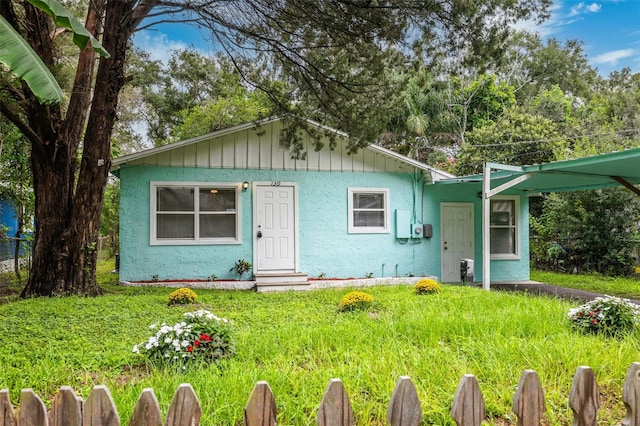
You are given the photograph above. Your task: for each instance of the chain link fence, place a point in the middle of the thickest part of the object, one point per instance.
(8, 250)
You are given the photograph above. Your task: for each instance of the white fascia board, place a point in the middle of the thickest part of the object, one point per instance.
(498, 166)
(115, 163)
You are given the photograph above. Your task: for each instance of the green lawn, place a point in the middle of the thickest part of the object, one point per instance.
(627, 287)
(297, 342)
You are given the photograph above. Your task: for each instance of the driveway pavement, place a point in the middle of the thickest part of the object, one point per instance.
(537, 288)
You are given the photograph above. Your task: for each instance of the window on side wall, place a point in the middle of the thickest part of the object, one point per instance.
(184, 213)
(368, 210)
(504, 228)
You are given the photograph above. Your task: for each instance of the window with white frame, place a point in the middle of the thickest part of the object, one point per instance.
(504, 228)
(185, 213)
(368, 210)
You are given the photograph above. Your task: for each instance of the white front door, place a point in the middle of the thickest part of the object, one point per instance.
(457, 238)
(275, 233)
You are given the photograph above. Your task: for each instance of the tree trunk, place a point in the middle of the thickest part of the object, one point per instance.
(67, 226)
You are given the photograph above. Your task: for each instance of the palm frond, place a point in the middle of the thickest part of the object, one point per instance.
(25, 63)
(64, 18)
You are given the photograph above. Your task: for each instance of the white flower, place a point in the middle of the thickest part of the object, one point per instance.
(135, 349)
(153, 326)
(168, 340)
(148, 346)
(185, 343)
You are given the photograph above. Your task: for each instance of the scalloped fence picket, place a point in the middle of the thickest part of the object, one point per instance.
(335, 409)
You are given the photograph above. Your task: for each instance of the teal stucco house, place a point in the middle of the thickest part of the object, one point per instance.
(192, 209)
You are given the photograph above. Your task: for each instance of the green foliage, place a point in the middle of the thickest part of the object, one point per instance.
(518, 138)
(241, 267)
(110, 217)
(355, 301)
(193, 95)
(201, 336)
(483, 100)
(427, 286)
(562, 65)
(65, 19)
(20, 58)
(421, 127)
(552, 104)
(610, 316)
(588, 231)
(219, 113)
(25, 63)
(182, 296)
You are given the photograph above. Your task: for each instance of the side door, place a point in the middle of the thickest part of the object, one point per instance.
(456, 221)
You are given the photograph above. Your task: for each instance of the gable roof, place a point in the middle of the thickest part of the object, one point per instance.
(257, 145)
(599, 171)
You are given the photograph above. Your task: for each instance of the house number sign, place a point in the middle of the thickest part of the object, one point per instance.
(275, 183)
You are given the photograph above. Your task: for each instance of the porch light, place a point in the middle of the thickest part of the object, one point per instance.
(245, 185)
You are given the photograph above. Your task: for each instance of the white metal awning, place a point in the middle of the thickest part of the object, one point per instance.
(601, 171)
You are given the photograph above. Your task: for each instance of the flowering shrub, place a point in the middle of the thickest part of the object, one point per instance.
(607, 315)
(355, 300)
(426, 286)
(201, 336)
(182, 296)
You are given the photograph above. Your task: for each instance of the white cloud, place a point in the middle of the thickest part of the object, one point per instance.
(157, 45)
(559, 17)
(594, 7)
(547, 28)
(584, 8)
(613, 56)
(575, 10)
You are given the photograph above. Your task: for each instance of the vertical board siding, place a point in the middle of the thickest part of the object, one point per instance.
(202, 154)
(215, 153)
(264, 150)
(229, 150)
(259, 148)
(335, 409)
(163, 158)
(241, 148)
(190, 155)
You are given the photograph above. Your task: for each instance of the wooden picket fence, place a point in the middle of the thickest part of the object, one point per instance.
(335, 409)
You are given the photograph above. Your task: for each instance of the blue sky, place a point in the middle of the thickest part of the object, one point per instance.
(609, 29)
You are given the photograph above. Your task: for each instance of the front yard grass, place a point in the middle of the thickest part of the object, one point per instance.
(298, 342)
(627, 287)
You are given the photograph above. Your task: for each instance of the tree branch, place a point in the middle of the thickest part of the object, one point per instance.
(80, 101)
(22, 125)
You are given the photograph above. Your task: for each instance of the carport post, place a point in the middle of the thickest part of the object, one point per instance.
(486, 235)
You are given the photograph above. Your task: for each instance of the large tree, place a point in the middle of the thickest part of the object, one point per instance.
(335, 53)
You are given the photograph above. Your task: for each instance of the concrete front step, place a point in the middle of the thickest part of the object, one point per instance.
(280, 278)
